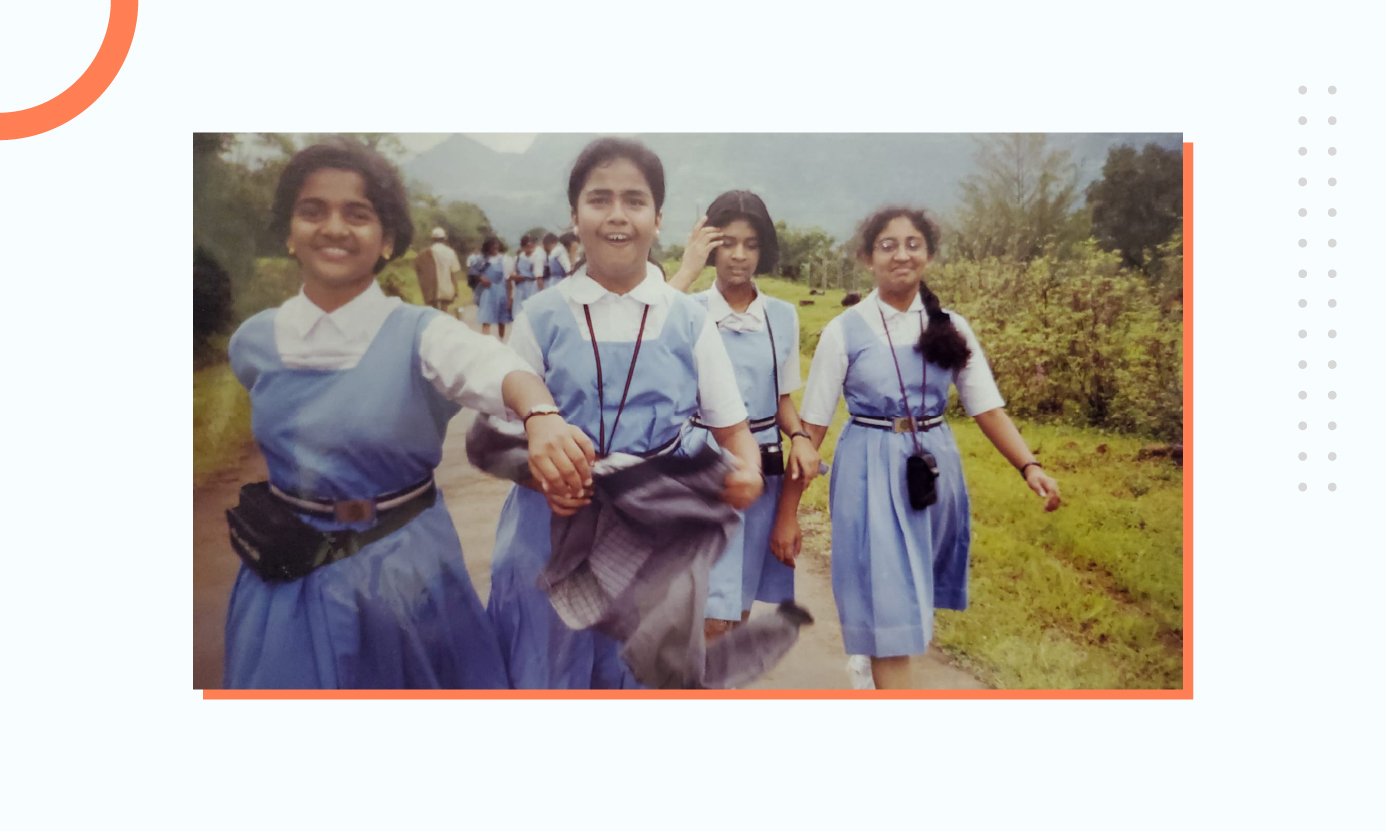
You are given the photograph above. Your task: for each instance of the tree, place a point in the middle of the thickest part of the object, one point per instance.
(466, 223)
(1021, 202)
(802, 248)
(1139, 203)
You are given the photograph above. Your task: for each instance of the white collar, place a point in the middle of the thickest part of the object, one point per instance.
(916, 305)
(584, 290)
(359, 317)
(719, 309)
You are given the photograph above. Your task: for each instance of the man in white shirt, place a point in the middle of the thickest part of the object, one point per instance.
(447, 267)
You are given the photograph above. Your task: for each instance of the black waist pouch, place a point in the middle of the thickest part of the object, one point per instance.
(271, 539)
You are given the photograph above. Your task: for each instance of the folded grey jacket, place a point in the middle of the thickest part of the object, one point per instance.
(634, 564)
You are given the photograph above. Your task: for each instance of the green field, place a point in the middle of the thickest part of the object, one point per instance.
(1087, 597)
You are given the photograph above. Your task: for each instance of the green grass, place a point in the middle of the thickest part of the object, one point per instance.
(1087, 597)
(221, 421)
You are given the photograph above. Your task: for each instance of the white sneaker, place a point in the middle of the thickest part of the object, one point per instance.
(860, 673)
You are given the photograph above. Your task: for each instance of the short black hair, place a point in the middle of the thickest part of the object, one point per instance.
(872, 227)
(607, 150)
(745, 205)
(550, 238)
(384, 188)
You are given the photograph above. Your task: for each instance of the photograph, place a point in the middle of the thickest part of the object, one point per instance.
(664, 412)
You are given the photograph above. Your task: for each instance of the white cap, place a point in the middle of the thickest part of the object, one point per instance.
(440, 234)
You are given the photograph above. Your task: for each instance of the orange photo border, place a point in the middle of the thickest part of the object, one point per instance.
(1185, 692)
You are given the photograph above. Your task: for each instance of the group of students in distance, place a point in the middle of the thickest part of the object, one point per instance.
(352, 392)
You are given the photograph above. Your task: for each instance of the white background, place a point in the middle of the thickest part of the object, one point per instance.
(1286, 730)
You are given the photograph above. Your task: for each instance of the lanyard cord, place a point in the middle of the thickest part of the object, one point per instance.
(924, 369)
(775, 366)
(601, 403)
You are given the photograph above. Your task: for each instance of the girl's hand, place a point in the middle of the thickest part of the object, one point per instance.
(561, 456)
(566, 506)
(804, 460)
(785, 539)
(702, 240)
(1044, 485)
(742, 486)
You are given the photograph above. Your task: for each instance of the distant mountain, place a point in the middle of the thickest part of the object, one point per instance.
(830, 180)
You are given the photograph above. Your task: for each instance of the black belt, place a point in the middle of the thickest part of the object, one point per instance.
(898, 424)
(663, 449)
(753, 424)
(359, 511)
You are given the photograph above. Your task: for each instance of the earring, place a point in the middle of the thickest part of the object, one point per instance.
(290, 246)
(386, 252)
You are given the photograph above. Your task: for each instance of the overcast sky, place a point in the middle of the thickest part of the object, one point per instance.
(503, 142)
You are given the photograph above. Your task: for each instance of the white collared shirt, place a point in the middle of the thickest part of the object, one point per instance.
(465, 366)
(618, 317)
(977, 390)
(754, 320)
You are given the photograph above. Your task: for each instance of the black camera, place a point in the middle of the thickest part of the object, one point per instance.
(772, 460)
(921, 472)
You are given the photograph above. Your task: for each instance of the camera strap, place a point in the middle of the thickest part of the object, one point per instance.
(924, 378)
(601, 405)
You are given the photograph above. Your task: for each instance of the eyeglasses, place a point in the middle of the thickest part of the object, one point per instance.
(890, 245)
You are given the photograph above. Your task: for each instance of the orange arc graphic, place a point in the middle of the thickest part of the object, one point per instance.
(68, 104)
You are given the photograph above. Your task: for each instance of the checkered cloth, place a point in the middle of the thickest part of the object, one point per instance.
(634, 565)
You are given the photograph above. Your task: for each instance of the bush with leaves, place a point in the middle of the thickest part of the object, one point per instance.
(1078, 339)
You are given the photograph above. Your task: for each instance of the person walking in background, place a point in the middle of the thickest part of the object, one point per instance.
(446, 269)
(556, 262)
(353, 574)
(573, 247)
(493, 307)
(527, 274)
(897, 499)
(476, 264)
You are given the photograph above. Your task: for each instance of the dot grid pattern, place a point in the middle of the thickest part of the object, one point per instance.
(1315, 264)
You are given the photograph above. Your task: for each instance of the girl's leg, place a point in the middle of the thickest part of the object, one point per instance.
(501, 331)
(486, 329)
(716, 627)
(892, 672)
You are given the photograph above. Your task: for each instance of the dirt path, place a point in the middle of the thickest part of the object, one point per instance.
(474, 500)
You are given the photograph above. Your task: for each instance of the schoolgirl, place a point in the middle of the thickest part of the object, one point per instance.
(761, 334)
(898, 503)
(353, 574)
(629, 360)
(493, 301)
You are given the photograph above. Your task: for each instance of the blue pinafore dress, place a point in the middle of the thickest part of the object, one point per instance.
(526, 287)
(491, 300)
(556, 271)
(540, 651)
(892, 564)
(747, 571)
(400, 613)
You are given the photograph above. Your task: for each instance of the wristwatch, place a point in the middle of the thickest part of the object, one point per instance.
(803, 433)
(540, 410)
